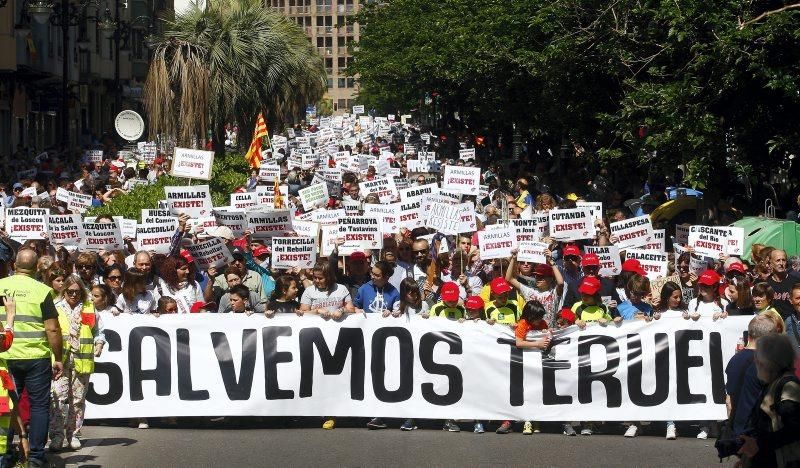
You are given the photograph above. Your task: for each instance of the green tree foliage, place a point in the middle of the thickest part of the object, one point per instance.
(713, 85)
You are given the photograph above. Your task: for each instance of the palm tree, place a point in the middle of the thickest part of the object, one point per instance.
(226, 63)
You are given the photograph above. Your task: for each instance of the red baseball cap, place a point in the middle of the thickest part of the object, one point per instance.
(543, 270)
(633, 265)
(590, 259)
(199, 305)
(260, 250)
(187, 256)
(589, 285)
(567, 314)
(572, 250)
(738, 267)
(500, 286)
(358, 256)
(474, 302)
(450, 292)
(708, 278)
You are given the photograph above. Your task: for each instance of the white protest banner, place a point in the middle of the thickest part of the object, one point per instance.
(418, 191)
(327, 217)
(532, 252)
(103, 236)
(708, 241)
(526, 230)
(192, 163)
(571, 224)
(610, 264)
(264, 224)
(596, 208)
(358, 110)
(66, 229)
(235, 220)
(148, 150)
(466, 180)
(467, 154)
(26, 223)
(634, 232)
(388, 215)
(243, 201)
(306, 228)
(360, 234)
(314, 196)
(212, 253)
(156, 237)
(93, 156)
(659, 241)
(411, 215)
(653, 263)
(497, 243)
(193, 200)
(288, 252)
(734, 240)
(668, 369)
(382, 187)
(269, 172)
(682, 234)
(451, 219)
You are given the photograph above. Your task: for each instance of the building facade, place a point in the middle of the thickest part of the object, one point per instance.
(325, 24)
(107, 64)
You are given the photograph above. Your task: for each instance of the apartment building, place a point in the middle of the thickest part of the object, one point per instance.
(324, 22)
(107, 54)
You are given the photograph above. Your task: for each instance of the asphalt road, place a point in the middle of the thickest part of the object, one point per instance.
(272, 442)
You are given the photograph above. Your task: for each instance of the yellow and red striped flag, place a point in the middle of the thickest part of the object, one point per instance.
(277, 192)
(253, 155)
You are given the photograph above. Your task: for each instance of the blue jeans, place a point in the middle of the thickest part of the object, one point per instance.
(35, 375)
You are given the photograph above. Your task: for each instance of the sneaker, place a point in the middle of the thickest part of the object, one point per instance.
(376, 423)
(632, 430)
(408, 425)
(569, 430)
(143, 424)
(536, 428)
(703, 433)
(478, 429)
(671, 432)
(451, 426)
(329, 424)
(504, 428)
(527, 428)
(588, 429)
(75, 443)
(56, 443)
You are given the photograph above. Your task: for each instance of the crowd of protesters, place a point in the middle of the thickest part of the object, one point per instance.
(415, 272)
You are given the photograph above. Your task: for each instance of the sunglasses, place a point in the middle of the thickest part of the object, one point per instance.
(420, 251)
(114, 278)
(171, 310)
(572, 258)
(72, 292)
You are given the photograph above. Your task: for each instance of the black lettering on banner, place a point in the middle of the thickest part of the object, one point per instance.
(378, 364)
(351, 340)
(717, 369)
(237, 389)
(114, 373)
(549, 368)
(660, 394)
(606, 376)
(516, 383)
(272, 358)
(162, 374)
(683, 362)
(185, 390)
(454, 378)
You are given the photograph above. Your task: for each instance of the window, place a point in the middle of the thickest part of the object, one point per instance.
(341, 83)
(328, 63)
(343, 104)
(330, 83)
(351, 82)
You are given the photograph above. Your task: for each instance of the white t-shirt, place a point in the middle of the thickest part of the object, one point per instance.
(706, 309)
(143, 303)
(184, 297)
(330, 300)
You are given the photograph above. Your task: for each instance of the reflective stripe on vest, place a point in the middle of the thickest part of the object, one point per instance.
(30, 339)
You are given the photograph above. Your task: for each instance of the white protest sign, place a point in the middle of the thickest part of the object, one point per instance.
(360, 234)
(211, 253)
(531, 252)
(542, 224)
(358, 110)
(634, 232)
(467, 154)
(497, 243)
(596, 208)
(452, 219)
(708, 241)
(193, 200)
(269, 172)
(388, 215)
(156, 237)
(411, 215)
(94, 156)
(417, 166)
(328, 239)
(682, 234)
(288, 252)
(327, 217)
(103, 236)
(265, 196)
(28, 192)
(314, 196)
(192, 163)
(451, 194)
(235, 220)
(26, 223)
(697, 265)
(382, 187)
(734, 240)
(526, 230)
(351, 207)
(571, 224)
(418, 191)
(610, 264)
(76, 202)
(243, 201)
(466, 180)
(659, 241)
(653, 263)
(264, 224)
(66, 229)
(150, 215)
(305, 228)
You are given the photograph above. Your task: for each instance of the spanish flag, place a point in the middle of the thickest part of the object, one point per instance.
(253, 155)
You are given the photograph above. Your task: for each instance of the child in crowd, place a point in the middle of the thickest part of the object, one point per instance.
(474, 307)
(532, 319)
(410, 302)
(634, 307)
(763, 294)
(284, 297)
(708, 302)
(590, 309)
(500, 309)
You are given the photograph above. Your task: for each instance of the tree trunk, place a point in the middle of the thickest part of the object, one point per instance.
(219, 139)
